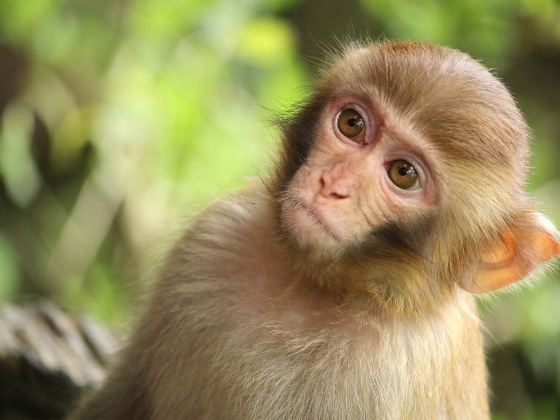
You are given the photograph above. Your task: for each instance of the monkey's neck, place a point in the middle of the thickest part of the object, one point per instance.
(384, 284)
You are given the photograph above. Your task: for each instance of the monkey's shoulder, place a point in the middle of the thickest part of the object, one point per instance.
(229, 242)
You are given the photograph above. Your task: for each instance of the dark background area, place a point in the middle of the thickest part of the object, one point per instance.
(121, 118)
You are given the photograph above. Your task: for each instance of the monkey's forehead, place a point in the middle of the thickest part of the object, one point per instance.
(451, 99)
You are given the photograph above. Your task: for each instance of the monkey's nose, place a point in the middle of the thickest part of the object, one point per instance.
(334, 187)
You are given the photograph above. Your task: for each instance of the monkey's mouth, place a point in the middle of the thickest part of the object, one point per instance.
(313, 216)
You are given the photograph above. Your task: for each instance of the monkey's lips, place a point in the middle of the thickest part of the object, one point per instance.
(304, 215)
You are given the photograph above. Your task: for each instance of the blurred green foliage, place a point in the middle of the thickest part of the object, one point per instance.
(118, 118)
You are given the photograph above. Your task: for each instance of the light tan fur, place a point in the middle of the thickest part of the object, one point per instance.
(255, 317)
(234, 334)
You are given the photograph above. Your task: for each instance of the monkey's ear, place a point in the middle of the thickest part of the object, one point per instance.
(520, 251)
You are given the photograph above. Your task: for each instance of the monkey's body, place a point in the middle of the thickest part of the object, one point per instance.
(262, 343)
(342, 289)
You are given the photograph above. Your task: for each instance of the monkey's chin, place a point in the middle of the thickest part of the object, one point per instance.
(310, 233)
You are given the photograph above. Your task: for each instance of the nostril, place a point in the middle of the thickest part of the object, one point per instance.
(322, 182)
(338, 195)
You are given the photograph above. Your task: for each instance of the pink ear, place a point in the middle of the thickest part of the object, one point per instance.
(520, 251)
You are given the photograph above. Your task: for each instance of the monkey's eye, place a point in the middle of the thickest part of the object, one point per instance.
(350, 123)
(403, 175)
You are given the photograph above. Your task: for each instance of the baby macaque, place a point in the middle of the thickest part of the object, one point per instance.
(343, 287)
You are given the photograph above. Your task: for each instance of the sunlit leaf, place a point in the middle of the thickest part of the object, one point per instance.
(16, 163)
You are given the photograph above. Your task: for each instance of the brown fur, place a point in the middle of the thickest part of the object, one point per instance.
(470, 127)
(245, 324)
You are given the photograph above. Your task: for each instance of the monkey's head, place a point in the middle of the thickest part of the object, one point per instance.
(403, 177)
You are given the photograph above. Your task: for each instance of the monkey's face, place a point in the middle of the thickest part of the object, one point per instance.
(364, 172)
(403, 176)
(403, 149)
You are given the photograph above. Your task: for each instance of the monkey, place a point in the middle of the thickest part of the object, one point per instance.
(343, 286)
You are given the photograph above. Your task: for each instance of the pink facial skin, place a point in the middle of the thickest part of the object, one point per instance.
(343, 191)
